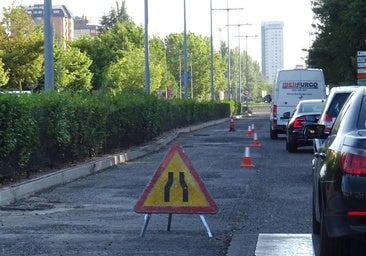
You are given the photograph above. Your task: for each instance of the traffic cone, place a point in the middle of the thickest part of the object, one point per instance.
(255, 141)
(249, 132)
(247, 162)
(253, 129)
(232, 125)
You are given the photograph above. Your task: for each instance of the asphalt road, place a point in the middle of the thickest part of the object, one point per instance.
(95, 214)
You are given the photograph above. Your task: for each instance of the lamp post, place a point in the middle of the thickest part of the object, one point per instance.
(147, 65)
(48, 46)
(239, 25)
(227, 9)
(247, 69)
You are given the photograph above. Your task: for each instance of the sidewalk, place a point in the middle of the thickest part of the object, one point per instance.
(25, 189)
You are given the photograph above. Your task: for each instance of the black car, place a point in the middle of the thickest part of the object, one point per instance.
(333, 105)
(339, 186)
(306, 111)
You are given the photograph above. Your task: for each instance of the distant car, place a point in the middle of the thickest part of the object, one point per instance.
(339, 177)
(306, 111)
(333, 105)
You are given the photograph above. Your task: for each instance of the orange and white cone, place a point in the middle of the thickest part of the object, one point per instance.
(232, 125)
(253, 129)
(247, 162)
(255, 141)
(249, 132)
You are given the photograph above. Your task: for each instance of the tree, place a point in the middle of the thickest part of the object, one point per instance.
(340, 33)
(116, 15)
(109, 47)
(72, 69)
(198, 62)
(4, 75)
(22, 44)
(158, 62)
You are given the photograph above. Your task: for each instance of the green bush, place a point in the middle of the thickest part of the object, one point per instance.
(49, 129)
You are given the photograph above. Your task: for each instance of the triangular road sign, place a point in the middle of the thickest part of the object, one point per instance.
(176, 188)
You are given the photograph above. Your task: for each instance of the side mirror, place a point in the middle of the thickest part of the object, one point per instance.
(267, 99)
(315, 131)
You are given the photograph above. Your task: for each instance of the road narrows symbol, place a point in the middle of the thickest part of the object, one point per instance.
(167, 187)
(169, 184)
(184, 186)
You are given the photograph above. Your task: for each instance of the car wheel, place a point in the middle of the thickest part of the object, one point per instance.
(332, 246)
(273, 134)
(291, 146)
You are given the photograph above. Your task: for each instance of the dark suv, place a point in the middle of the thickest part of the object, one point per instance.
(333, 104)
(339, 177)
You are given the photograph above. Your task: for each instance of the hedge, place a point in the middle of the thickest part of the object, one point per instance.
(49, 129)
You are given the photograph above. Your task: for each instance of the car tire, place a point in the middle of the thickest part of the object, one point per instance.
(291, 146)
(332, 246)
(273, 134)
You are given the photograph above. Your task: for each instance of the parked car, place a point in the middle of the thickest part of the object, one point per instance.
(334, 103)
(306, 111)
(339, 177)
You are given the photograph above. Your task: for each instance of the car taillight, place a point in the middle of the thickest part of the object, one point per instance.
(328, 122)
(353, 164)
(357, 213)
(298, 122)
(274, 110)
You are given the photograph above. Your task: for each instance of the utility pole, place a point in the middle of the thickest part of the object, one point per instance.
(238, 94)
(247, 69)
(48, 46)
(227, 9)
(185, 64)
(147, 62)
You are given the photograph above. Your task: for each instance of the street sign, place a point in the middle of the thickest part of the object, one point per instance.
(361, 70)
(361, 65)
(361, 76)
(361, 81)
(176, 188)
(361, 53)
(361, 59)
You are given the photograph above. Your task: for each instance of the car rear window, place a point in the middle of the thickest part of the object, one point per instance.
(361, 124)
(337, 104)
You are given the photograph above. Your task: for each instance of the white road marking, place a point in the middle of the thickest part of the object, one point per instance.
(285, 245)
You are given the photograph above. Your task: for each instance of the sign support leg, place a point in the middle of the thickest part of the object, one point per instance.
(206, 226)
(169, 221)
(146, 222)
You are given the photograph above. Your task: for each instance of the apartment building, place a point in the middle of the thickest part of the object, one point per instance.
(66, 26)
(62, 20)
(272, 49)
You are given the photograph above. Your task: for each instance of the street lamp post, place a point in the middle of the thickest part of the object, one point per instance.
(239, 25)
(48, 46)
(185, 64)
(247, 68)
(228, 43)
(147, 65)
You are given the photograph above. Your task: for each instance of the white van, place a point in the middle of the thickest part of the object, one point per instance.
(291, 86)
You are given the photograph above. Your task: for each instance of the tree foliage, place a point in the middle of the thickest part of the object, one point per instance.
(21, 42)
(116, 15)
(341, 32)
(114, 60)
(72, 69)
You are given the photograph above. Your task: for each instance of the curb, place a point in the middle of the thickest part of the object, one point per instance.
(25, 189)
